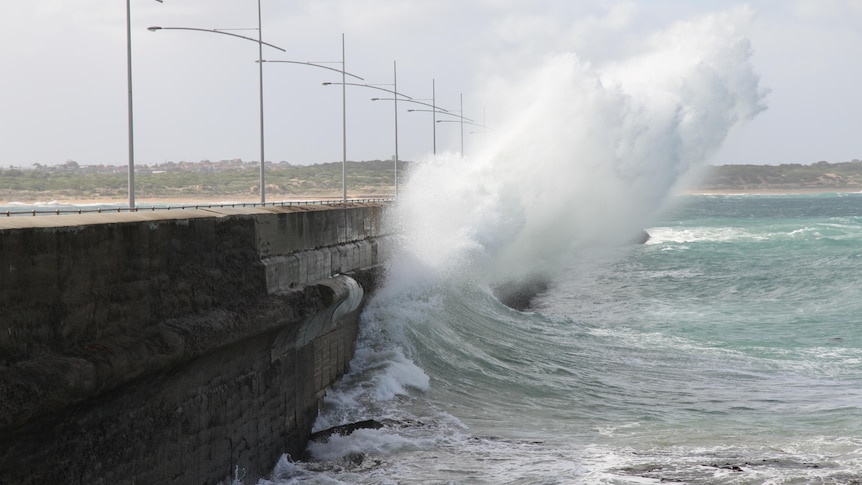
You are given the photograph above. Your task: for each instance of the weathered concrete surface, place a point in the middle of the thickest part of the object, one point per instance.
(174, 347)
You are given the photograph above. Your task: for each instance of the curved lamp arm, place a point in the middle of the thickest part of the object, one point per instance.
(436, 108)
(461, 121)
(460, 117)
(318, 65)
(216, 31)
(371, 86)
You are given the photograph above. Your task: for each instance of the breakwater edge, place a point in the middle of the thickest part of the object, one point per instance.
(176, 346)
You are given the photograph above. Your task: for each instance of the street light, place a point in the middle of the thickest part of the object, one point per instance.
(480, 125)
(260, 44)
(395, 92)
(435, 109)
(461, 119)
(344, 73)
(130, 111)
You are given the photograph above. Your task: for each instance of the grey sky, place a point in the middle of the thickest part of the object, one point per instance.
(63, 82)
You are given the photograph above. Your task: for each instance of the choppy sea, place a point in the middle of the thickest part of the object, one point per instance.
(727, 349)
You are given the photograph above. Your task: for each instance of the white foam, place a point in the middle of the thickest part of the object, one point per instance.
(663, 235)
(378, 442)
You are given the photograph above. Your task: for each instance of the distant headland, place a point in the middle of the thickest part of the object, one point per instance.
(784, 178)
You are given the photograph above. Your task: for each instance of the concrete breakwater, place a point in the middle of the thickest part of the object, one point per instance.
(176, 346)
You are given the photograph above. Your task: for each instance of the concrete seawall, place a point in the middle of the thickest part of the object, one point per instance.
(175, 346)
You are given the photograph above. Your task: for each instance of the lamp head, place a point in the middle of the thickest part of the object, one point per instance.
(154, 28)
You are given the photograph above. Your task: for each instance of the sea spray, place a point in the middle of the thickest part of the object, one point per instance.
(587, 154)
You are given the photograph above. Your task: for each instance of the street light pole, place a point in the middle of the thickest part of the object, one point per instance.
(461, 96)
(260, 77)
(461, 120)
(343, 123)
(397, 96)
(395, 88)
(434, 109)
(344, 73)
(434, 102)
(344, 84)
(131, 116)
(130, 103)
(260, 44)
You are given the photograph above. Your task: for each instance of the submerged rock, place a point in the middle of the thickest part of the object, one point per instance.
(642, 239)
(519, 294)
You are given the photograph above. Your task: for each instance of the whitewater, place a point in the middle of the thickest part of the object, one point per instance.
(725, 349)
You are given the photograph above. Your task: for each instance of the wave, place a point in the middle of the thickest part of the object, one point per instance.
(469, 389)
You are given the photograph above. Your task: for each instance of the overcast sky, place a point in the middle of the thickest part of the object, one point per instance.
(63, 92)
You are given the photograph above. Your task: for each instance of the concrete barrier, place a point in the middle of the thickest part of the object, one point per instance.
(175, 347)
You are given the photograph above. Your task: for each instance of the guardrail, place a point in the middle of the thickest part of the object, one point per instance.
(107, 209)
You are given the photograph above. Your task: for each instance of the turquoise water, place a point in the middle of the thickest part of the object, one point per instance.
(728, 349)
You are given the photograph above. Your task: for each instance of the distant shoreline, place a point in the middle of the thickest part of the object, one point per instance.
(227, 199)
(774, 191)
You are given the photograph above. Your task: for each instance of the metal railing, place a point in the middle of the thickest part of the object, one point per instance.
(107, 209)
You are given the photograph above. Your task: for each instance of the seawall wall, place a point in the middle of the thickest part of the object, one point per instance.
(175, 346)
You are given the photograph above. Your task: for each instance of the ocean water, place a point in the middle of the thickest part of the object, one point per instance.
(727, 349)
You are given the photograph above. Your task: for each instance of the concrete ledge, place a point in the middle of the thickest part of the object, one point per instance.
(290, 271)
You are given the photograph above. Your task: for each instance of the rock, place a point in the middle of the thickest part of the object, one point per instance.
(345, 429)
(519, 294)
(643, 238)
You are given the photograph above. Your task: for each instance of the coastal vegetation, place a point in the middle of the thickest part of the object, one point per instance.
(790, 176)
(235, 179)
